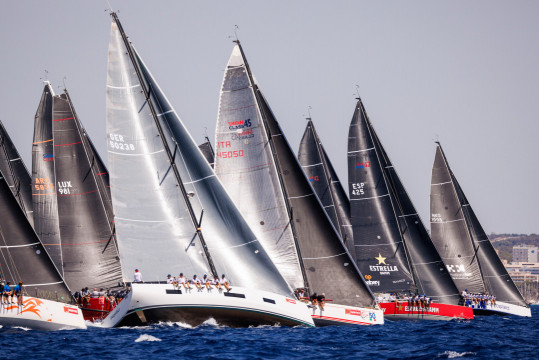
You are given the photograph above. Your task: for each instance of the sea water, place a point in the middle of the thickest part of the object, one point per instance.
(486, 337)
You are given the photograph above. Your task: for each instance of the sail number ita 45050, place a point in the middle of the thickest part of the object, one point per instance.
(230, 154)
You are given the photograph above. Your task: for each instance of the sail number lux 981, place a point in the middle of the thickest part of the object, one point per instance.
(227, 154)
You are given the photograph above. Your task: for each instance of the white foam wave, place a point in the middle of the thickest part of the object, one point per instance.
(22, 328)
(211, 322)
(146, 337)
(454, 354)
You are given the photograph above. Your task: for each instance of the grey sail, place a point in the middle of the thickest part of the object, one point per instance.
(90, 256)
(171, 211)
(207, 151)
(430, 274)
(16, 174)
(43, 180)
(23, 257)
(323, 256)
(245, 166)
(448, 199)
(380, 249)
(323, 178)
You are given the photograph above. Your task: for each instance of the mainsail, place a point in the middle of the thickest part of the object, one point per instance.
(43, 180)
(16, 174)
(172, 213)
(252, 145)
(207, 151)
(323, 178)
(23, 257)
(393, 246)
(459, 237)
(90, 256)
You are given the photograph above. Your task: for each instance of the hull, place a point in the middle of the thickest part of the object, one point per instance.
(334, 314)
(153, 303)
(97, 309)
(502, 308)
(41, 314)
(402, 311)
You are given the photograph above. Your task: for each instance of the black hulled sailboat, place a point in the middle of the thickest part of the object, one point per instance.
(393, 249)
(465, 248)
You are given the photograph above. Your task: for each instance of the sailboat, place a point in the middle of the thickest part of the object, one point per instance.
(46, 302)
(393, 249)
(262, 175)
(20, 182)
(173, 215)
(207, 151)
(79, 188)
(326, 184)
(464, 246)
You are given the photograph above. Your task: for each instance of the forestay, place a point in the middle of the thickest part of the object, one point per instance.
(245, 166)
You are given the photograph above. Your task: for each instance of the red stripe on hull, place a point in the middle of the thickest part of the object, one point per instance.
(441, 310)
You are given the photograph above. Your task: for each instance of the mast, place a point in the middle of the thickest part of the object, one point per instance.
(276, 161)
(147, 92)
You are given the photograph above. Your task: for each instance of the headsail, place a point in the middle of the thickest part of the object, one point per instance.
(90, 256)
(23, 257)
(323, 256)
(380, 250)
(16, 174)
(244, 164)
(325, 182)
(172, 213)
(459, 237)
(207, 151)
(43, 180)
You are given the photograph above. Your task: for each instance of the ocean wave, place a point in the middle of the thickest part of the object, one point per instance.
(22, 328)
(454, 354)
(146, 337)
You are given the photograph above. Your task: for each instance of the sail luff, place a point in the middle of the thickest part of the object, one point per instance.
(44, 200)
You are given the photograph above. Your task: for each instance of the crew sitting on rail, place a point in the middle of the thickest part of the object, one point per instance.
(170, 280)
(215, 282)
(314, 299)
(196, 282)
(224, 283)
(183, 281)
(206, 281)
(321, 301)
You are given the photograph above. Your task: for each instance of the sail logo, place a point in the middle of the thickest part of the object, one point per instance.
(246, 134)
(313, 178)
(357, 189)
(373, 282)
(64, 187)
(48, 157)
(385, 269)
(363, 165)
(240, 124)
(71, 310)
(455, 268)
(43, 184)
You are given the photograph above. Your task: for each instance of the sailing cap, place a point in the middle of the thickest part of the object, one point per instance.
(169, 275)
(136, 269)
(223, 275)
(181, 274)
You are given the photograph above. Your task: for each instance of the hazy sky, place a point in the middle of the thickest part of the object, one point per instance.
(465, 72)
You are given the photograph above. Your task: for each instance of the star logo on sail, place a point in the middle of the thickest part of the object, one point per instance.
(381, 259)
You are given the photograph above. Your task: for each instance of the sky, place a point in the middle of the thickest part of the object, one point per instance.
(464, 73)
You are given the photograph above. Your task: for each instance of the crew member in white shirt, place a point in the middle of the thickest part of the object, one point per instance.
(224, 282)
(183, 281)
(137, 277)
(196, 282)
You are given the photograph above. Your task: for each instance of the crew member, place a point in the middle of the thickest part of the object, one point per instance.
(224, 283)
(196, 282)
(183, 281)
(321, 301)
(170, 280)
(7, 293)
(206, 281)
(18, 293)
(215, 282)
(314, 299)
(137, 277)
